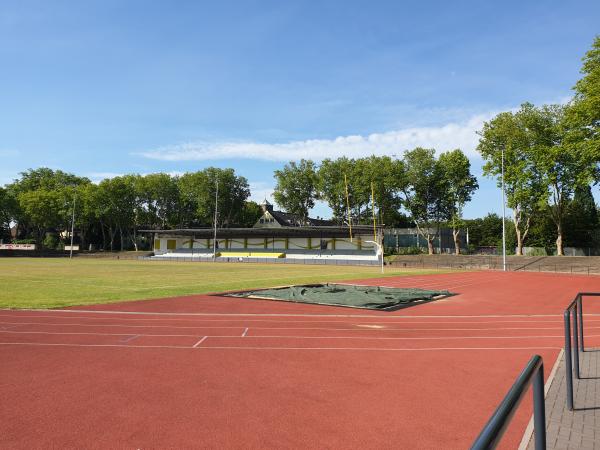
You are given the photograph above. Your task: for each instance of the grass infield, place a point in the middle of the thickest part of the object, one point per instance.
(58, 282)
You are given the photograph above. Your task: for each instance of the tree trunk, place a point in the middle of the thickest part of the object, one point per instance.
(103, 236)
(430, 245)
(559, 241)
(519, 242)
(135, 240)
(121, 236)
(455, 234)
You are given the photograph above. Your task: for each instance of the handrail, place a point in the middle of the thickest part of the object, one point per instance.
(574, 342)
(494, 429)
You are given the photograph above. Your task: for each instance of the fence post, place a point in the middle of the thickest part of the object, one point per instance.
(568, 367)
(539, 409)
(576, 342)
(580, 310)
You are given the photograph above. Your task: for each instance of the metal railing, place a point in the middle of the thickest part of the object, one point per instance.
(574, 341)
(492, 432)
(564, 267)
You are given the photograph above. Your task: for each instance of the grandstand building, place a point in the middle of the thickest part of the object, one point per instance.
(296, 244)
(276, 235)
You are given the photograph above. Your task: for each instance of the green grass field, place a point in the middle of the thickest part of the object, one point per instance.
(53, 283)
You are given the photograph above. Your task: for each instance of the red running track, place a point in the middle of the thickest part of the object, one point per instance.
(217, 372)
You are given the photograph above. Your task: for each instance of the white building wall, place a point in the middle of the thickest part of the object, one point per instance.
(278, 244)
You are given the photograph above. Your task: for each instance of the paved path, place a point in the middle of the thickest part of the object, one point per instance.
(579, 429)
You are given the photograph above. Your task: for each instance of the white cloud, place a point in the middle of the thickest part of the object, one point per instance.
(445, 137)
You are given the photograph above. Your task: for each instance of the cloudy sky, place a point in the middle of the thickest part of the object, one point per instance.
(110, 87)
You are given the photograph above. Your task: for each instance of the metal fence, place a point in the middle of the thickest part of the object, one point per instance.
(493, 431)
(574, 341)
(511, 267)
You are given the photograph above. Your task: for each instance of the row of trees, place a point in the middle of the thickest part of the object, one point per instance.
(581, 227)
(110, 213)
(547, 153)
(432, 190)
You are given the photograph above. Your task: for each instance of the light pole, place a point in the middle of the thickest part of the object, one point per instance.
(379, 250)
(216, 216)
(72, 227)
(503, 217)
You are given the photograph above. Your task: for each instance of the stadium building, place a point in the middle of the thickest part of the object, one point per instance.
(275, 236)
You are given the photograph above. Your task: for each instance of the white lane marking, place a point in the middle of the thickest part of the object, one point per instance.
(131, 338)
(400, 319)
(404, 338)
(245, 332)
(119, 325)
(292, 328)
(375, 338)
(199, 342)
(42, 344)
(88, 333)
(376, 314)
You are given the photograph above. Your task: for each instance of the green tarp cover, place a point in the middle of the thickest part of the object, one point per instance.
(370, 297)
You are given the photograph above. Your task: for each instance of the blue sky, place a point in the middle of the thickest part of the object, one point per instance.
(111, 87)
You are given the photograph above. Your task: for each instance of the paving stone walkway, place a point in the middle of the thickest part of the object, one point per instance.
(579, 429)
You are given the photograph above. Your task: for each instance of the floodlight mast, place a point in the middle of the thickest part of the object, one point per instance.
(503, 217)
(72, 227)
(216, 212)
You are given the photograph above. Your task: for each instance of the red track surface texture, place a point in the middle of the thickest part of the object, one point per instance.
(215, 372)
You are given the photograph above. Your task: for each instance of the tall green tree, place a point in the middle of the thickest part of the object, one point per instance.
(158, 195)
(45, 210)
(296, 188)
(564, 165)
(426, 193)
(116, 203)
(583, 115)
(382, 174)
(332, 188)
(581, 223)
(197, 196)
(461, 186)
(507, 141)
(45, 201)
(388, 179)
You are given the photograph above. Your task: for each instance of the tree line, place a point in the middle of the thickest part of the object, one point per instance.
(110, 213)
(432, 190)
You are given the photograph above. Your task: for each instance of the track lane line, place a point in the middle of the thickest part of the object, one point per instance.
(383, 338)
(291, 328)
(199, 342)
(400, 319)
(42, 344)
(376, 314)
